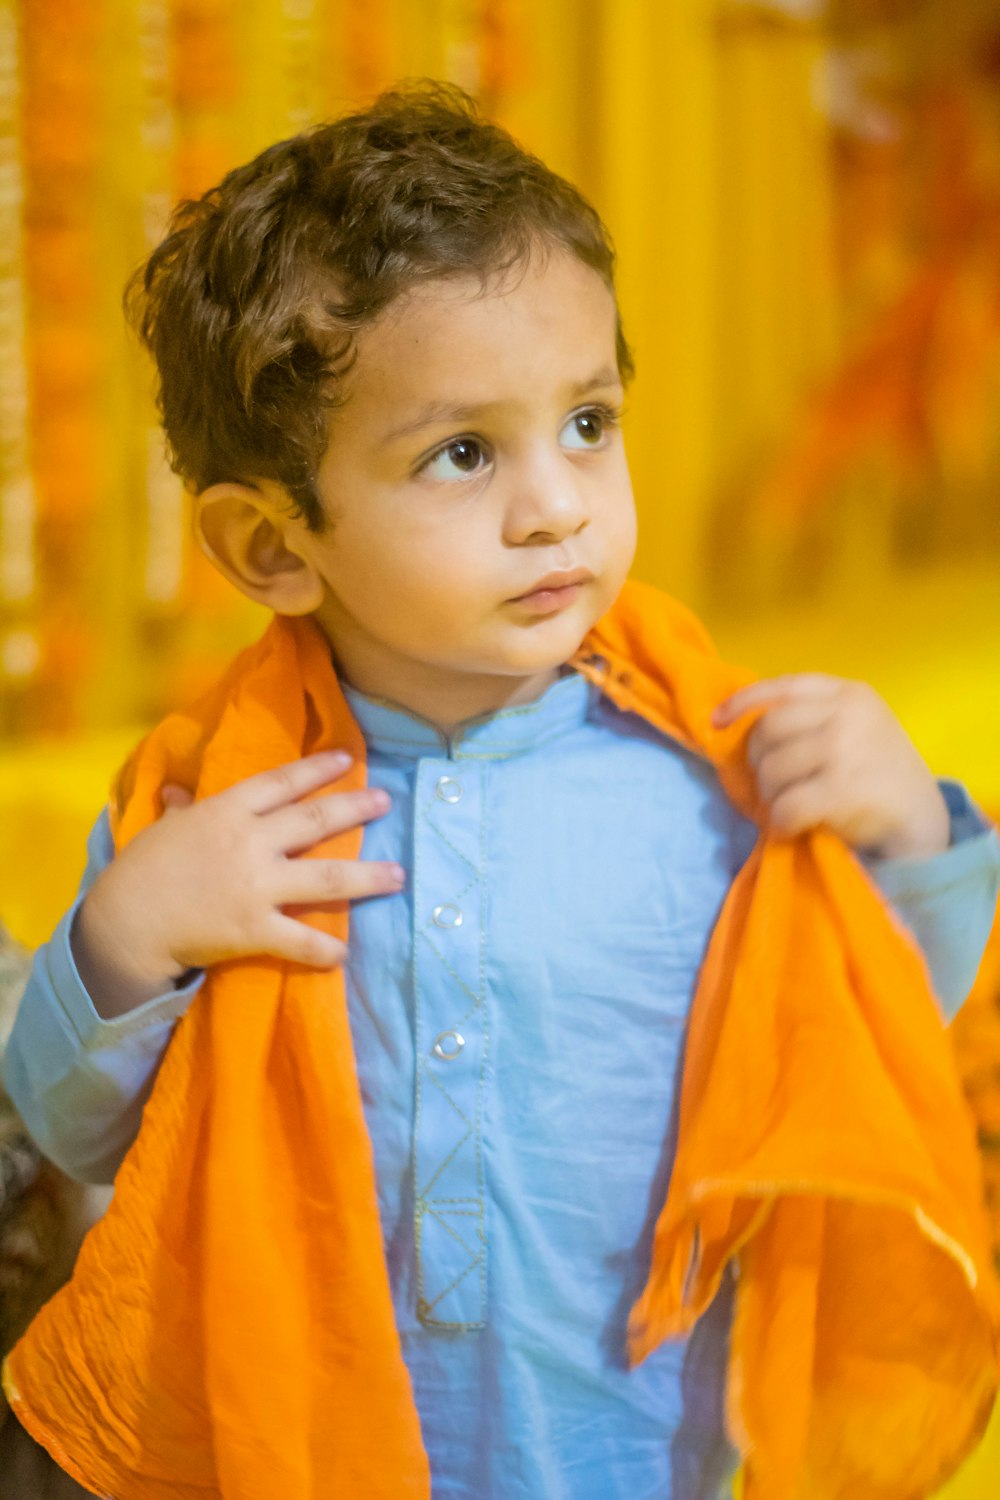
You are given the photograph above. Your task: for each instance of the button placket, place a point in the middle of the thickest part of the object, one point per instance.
(451, 1039)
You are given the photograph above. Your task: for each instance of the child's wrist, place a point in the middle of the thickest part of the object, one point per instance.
(117, 975)
(925, 832)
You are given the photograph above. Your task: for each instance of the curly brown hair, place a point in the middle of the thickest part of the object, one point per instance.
(249, 306)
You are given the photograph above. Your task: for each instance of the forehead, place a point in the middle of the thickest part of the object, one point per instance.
(548, 321)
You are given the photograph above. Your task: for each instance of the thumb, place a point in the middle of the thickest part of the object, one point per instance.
(174, 797)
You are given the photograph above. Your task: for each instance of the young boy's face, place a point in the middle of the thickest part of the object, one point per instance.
(478, 452)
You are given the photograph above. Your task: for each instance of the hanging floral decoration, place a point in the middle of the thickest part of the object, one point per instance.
(915, 157)
(61, 124)
(19, 646)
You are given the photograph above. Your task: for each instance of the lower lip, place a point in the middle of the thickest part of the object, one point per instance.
(548, 601)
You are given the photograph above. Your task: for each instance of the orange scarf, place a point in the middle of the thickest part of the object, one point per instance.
(229, 1328)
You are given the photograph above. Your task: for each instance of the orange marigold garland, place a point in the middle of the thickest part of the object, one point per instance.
(67, 352)
(919, 217)
(19, 647)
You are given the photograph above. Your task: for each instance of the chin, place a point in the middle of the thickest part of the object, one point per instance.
(546, 649)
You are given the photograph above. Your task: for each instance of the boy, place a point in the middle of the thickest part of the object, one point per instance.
(392, 371)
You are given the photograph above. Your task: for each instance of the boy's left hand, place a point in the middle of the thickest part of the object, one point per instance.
(827, 750)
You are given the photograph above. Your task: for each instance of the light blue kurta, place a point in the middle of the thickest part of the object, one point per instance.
(518, 1014)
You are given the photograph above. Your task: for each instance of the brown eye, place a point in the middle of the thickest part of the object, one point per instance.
(590, 426)
(461, 459)
(465, 455)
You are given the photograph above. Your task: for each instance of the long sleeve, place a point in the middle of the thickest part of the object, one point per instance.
(949, 902)
(79, 1081)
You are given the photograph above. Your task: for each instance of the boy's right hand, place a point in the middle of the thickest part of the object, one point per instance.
(209, 882)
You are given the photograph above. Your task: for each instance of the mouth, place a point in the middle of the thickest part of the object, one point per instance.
(555, 591)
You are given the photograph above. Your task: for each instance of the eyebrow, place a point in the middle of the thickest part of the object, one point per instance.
(435, 412)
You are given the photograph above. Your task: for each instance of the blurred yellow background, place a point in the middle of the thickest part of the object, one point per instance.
(805, 197)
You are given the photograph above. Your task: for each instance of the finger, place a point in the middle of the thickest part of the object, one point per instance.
(295, 829)
(798, 685)
(301, 944)
(276, 788)
(783, 768)
(174, 797)
(789, 721)
(799, 809)
(313, 882)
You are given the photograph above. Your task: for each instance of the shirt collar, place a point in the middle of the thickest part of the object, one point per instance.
(391, 730)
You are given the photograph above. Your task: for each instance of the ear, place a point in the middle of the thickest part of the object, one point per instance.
(245, 531)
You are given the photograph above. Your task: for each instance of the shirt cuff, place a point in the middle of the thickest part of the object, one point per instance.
(948, 900)
(93, 1030)
(973, 854)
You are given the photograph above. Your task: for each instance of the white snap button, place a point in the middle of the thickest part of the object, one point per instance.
(448, 1045)
(447, 915)
(448, 789)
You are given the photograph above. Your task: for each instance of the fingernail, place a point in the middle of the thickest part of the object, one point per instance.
(379, 797)
(397, 874)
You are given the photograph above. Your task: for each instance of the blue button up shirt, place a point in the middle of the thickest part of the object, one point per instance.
(518, 1014)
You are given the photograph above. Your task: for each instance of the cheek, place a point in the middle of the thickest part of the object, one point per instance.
(628, 525)
(619, 519)
(411, 563)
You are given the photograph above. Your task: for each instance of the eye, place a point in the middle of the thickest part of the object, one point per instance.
(589, 428)
(462, 458)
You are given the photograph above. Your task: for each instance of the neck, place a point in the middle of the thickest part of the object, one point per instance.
(445, 699)
(448, 712)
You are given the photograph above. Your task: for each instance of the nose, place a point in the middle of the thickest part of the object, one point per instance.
(547, 501)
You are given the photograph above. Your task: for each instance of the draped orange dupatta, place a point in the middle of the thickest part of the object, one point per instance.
(229, 1332)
